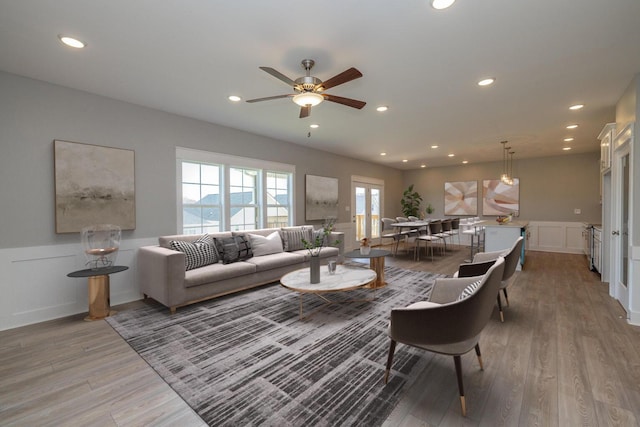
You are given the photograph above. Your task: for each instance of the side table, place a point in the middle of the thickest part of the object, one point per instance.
(376, 263)
(99, 297)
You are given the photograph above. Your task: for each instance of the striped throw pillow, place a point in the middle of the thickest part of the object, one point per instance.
(197, 254)
(292, 237)
(469, 290)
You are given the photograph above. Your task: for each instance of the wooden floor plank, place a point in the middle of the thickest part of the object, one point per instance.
(564, 356)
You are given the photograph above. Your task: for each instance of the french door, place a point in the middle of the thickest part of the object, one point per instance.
(621, 219)
(367, 197)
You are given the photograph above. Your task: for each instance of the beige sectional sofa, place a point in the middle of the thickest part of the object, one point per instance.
(163, 273)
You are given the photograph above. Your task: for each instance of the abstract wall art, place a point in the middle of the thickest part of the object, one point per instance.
(500, 198)
(461, 198)
(321, 197)
(93, 185)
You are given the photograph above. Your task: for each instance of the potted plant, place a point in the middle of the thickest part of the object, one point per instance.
(365, 246)
(429, 209)
(410, 202)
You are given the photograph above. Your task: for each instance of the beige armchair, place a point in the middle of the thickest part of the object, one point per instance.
(451, 322)
(511, 259)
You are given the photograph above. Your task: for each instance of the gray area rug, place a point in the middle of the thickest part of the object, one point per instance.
(247, 359)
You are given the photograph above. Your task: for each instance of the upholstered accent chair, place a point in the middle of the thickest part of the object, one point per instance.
(482, 260)
(451, 322)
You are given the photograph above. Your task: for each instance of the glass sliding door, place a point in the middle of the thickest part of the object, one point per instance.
(367, 195)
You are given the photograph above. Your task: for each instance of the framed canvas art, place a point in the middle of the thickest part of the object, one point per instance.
(321, 197)
(499, 198)
(93, 185)
(461, 198)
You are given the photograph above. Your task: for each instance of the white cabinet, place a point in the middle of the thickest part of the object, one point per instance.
(498, 237)
(597, 249)
(606, 146)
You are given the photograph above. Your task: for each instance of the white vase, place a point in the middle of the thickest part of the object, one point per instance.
(364, 250)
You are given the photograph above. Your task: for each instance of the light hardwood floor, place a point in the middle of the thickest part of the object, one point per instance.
(564, 356)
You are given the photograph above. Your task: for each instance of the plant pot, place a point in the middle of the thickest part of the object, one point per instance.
(314, 269)
(364, 250)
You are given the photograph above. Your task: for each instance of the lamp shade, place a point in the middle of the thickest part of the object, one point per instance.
(308, 98)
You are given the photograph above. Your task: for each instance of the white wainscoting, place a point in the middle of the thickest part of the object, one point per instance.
(35, 287)
(551, 236)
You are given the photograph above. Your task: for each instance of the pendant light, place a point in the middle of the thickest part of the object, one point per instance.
(505, 173)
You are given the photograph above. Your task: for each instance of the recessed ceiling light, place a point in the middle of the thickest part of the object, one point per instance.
(486, 82)
(568, 139)
(404, 160)
(72, 42)
(464, 162)
(576, 107)
(434, 146)
(572, 126)
(314, 126)
(451, 155)
(441, 4)
(423, 166)
(383, 154)
(566, 148)
(234, 98)
(382, 108)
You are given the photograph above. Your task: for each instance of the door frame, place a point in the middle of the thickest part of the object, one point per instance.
(367, 182)
(622, 148)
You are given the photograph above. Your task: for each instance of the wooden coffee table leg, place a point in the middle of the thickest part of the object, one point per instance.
(377, 265)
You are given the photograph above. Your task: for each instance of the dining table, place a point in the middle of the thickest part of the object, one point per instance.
(407, 226)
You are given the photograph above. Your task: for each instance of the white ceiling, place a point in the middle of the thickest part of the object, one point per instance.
(188, 56)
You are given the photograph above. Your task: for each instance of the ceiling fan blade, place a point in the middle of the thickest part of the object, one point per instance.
(305, 111)
(345, 101)
(269, 98)
(278, 75)
(343, 77)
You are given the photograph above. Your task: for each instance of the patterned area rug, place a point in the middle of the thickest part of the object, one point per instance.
(247, 359)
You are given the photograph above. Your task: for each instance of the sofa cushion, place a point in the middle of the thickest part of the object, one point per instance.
(292, 237)
(234, 248)
(261, 245)
(282, 259)
(198, 253)
(216, 272)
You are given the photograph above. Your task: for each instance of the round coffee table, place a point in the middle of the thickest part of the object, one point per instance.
(376, 263)
(344, 279)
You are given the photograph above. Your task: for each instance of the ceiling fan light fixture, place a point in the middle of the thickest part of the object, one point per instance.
(441, 4)
(308, 98)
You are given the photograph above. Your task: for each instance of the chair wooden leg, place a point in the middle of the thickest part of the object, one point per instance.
(392, 349)
(500, 308)
(479, 357)
(506, 297)
(463, 404)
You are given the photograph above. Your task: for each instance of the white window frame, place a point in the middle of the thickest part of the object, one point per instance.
(225, 161)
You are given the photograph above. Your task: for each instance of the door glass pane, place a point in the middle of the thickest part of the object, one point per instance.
(375, 212)
(360, 213)
(624, 221)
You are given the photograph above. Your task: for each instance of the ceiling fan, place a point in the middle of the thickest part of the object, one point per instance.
(309, 88)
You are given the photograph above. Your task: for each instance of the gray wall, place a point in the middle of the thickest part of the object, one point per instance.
(34, 113)
(550, 188)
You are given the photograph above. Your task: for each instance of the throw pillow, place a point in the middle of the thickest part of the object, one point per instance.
(261, 245)
(292, 237)
(197, 254)
(233, 249)
(469, 290)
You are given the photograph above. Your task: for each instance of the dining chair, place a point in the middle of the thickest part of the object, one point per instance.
(450, 323)
(429, 241)
(435, 229)
(390, 232)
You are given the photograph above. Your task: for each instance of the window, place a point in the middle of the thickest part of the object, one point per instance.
(201, 204)
(218, 192)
